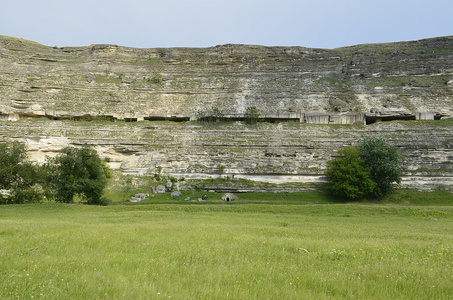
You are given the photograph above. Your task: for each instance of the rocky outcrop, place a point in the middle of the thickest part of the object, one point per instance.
(383, 81)
(54, 97)
(284, 153)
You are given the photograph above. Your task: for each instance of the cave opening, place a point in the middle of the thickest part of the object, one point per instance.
(377, 119)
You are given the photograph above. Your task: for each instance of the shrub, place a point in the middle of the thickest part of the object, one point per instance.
(103, 201)
(346, 176)
(381, 161)
(252, 115)
(29, 195)
(368, 169)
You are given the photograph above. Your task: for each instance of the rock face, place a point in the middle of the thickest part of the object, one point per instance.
(266, 152)
(383, 81)
(55, 97)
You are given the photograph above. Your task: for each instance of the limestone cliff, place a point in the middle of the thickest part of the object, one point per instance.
(402, 80)
(359, 84)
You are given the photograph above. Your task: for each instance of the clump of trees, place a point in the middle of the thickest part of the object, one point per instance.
(19, 178)
(75, 171)
(368, 169)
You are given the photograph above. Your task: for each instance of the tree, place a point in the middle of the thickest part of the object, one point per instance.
(18, 174)
(381, 161)
(346, 176)
(368, 169)
(76, 171)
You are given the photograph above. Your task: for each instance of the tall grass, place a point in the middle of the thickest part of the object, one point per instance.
(224, 251)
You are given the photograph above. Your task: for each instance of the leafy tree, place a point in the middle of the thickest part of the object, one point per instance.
(18, 174)
(381, 161)
(346, 176)
(368, 169)
(76, 171)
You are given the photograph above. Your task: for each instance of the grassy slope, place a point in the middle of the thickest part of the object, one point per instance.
(224, 251)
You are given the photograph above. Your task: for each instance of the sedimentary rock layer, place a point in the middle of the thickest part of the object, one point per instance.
(407, 79)
(276, 153)
(50, 94)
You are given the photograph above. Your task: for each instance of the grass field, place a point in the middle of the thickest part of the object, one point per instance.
(261, 248)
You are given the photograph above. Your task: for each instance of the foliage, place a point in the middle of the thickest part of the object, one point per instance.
(156, 79)
(18, 174)
(26, 195)
(220, 169)
(368, 169)
(347, 178)
(158, 173)
(76, 171)
(105, 168)
(252, 115)
(381, 160)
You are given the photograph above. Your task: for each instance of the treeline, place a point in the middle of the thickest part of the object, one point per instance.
(75, 171)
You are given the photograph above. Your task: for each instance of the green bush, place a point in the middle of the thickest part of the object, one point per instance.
(381, 161)
(252, 115)
(212, 114)
(368, 169)
(18, 175)
(346, 176)
(30, 195)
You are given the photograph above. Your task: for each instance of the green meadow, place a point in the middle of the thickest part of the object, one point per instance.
(257, 247)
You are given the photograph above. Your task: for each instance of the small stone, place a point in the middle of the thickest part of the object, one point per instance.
(135, 199)
(160, 189)
(175, 194)
(90, 78)
(141, 196)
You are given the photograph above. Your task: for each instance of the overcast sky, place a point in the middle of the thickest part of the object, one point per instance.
(204, 23)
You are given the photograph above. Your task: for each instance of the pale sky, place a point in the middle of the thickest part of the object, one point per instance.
(205, 23)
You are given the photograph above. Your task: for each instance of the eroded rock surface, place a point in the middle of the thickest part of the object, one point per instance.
(395, 80)
(353, 85)
(274, 153)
